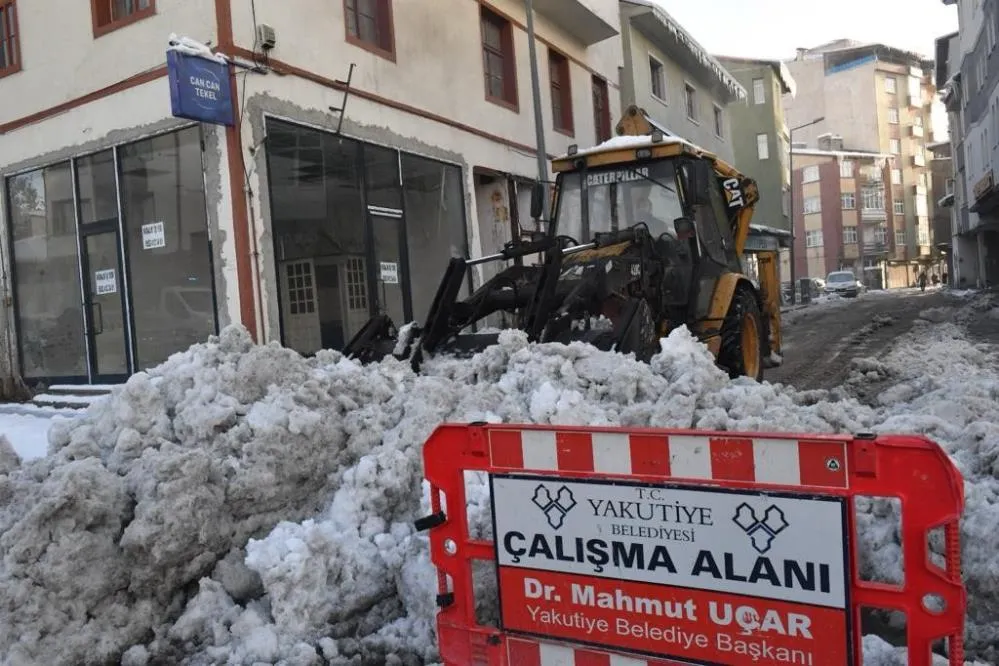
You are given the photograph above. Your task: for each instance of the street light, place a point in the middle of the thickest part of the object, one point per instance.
(790, 168)
(539, 127)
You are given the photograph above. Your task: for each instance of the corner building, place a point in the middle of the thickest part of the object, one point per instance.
(131, 233)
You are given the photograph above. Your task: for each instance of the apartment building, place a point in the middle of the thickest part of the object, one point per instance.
(344, 159)
(670, 75)
(761, 144)
(942, 186)
(968, 64)
(843, 214)
(878, 98)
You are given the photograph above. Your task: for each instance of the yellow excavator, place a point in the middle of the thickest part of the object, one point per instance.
(646, 234)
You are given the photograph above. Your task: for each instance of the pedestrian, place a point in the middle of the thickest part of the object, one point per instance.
(922, 281)
(945, 278)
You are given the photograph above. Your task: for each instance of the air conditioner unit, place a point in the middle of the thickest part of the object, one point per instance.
(266, 37)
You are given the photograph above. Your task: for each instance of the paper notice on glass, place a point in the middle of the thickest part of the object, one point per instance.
(106, 281)
(389, 272)
(153, 235)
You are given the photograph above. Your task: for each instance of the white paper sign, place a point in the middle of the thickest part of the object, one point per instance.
(773, 546)
(390, 272)
(153, 235)
(106, 281)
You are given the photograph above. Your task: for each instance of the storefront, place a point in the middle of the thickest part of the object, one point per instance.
(357, 229)
(112, 260)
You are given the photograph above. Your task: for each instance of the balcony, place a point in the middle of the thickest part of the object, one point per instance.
(916, 130)
(876, 247)
(576, 18)
(919, 160)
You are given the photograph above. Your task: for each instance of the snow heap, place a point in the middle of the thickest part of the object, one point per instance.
(241, 504)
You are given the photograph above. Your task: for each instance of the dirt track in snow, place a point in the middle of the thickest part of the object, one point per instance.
(820, 341)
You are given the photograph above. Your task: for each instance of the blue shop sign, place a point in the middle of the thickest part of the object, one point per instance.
(199, 89)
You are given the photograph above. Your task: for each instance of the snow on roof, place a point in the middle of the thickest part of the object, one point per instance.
(838, 153)
(629, 141)
(699, 52)
(762, 228)
(782, 71)
(193, 47)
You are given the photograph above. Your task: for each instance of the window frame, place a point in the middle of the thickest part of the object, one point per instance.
(653, 63)
(896, 172)
(103, 29)
(690, 102)
(846, 169)
(893, 115)
(602, 123)
(814, 233)
(719, 120)
(850, 197)
(855, 235)
(765, 145)
(565, 124)
(384, 20)
(511, 92)
(806, 204)
(893, 88)
(13, 38)
(760, 98)
(893, 144)
(808, 171)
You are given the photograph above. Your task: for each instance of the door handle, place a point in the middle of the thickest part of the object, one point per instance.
(98, 318)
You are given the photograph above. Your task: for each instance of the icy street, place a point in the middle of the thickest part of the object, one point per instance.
(241, 504)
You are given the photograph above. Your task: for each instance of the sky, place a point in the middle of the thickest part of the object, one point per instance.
(775, 28)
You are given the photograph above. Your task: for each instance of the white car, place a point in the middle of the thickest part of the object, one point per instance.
(843, 283)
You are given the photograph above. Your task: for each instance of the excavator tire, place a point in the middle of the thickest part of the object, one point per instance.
(742, 337)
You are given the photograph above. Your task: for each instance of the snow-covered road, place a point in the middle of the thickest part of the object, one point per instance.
(243, 505)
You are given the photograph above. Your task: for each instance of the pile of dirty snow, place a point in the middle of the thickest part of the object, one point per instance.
(242, 504)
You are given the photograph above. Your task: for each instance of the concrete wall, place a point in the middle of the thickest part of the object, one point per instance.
(62, 60)
(672, 111)
(749, 119)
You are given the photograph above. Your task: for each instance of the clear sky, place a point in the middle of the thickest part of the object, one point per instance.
(775, 28)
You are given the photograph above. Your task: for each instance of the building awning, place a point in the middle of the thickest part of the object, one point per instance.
(763, 238)
(577, 19)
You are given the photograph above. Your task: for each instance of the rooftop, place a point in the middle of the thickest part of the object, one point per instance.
(789, 87)
(658, 25)
(838, 153)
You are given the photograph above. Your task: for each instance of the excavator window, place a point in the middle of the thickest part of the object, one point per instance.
(619, 197)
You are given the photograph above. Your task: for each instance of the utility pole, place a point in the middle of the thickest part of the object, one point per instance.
(539, 123)
(790, 167)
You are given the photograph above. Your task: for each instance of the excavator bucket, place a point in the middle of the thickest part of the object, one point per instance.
(513, 291)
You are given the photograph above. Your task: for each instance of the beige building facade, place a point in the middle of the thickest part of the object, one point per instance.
(878, 99)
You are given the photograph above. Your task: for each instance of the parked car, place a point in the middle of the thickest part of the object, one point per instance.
(842, 283)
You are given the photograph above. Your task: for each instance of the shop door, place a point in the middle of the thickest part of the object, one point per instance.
(391, 268)
(104, 299)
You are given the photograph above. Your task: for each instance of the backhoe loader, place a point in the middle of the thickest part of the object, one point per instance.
(646, 233)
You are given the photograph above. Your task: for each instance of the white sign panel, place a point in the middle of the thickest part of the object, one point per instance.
(390, 272)
(106, 281)
(153, 235)
(773, 546)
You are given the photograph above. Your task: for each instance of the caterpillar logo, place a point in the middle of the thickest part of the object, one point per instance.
(733, 190)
